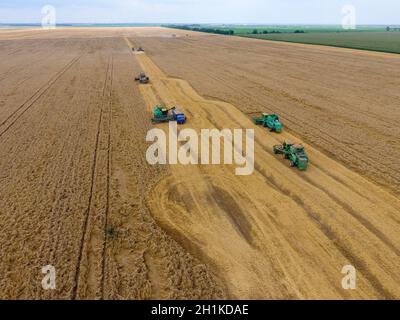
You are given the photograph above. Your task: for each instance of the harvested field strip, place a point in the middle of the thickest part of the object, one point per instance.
(315, 222)
(342, 101)
(142, 262)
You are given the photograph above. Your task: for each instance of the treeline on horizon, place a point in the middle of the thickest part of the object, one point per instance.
(203, 29)
(230, 32)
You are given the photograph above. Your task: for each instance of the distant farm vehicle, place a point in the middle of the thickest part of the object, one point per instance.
(140, 49)
(161, 114)
(270, 121)
(142, 78)
(295, 153)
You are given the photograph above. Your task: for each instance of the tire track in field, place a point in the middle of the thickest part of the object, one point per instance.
(92, 186)
(42, 88)
(22, 66)
(107, 209)
(17, 114)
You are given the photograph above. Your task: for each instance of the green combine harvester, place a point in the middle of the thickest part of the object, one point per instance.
(161, 115)
(270, 121)
(295, 153)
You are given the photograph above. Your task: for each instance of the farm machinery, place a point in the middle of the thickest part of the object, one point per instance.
(142, 78)
(295, 153)
(161, 114)
(270, 121)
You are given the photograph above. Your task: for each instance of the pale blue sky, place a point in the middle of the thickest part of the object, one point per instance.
(202, 11)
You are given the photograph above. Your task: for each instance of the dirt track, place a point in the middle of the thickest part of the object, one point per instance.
(74, 182)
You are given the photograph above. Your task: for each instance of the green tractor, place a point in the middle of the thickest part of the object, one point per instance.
(270, 121)
(295, 153)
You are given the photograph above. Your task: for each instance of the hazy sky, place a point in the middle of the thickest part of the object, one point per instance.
(202, 11)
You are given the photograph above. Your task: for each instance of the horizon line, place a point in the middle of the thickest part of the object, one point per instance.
(195, 23)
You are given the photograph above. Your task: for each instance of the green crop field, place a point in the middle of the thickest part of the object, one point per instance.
(373, 38)
(374, 41)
